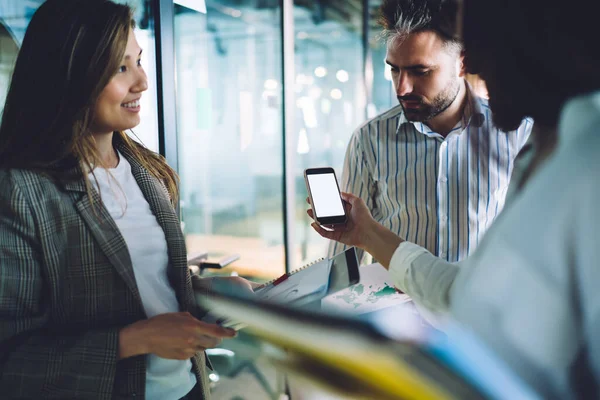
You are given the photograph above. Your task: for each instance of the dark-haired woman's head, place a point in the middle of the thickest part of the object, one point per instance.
(118, 105)
(69, 76)
(533, 54)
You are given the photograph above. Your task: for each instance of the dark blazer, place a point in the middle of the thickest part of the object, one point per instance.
(67, 287)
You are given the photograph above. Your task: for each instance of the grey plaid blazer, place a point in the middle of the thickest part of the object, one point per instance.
(67, 287)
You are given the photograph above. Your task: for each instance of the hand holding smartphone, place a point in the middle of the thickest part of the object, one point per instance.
(325, 199)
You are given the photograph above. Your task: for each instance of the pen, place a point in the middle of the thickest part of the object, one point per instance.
(274, 283)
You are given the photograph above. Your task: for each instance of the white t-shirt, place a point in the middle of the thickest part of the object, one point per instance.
(122, 197)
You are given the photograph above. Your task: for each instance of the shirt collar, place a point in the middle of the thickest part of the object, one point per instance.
(472, 113)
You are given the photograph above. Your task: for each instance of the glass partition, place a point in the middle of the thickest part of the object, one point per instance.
(229, 130)
(383, 95)
(14, 18)
(330, 99)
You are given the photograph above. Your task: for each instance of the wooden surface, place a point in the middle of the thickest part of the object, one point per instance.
(258, 259)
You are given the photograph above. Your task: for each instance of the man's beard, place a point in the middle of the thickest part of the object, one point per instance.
(427, 111)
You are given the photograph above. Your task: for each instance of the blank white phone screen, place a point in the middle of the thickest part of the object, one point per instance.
(325, 196)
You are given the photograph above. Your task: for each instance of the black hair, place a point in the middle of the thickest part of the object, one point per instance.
(400, 18)
(533, 54)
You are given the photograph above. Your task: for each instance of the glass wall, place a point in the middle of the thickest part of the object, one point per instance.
(382, 94)
(229, 130)
(14, 18)
(147, 131)
(330, 100)
(229, 84)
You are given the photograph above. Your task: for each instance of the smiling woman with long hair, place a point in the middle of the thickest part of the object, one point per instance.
(95, 293)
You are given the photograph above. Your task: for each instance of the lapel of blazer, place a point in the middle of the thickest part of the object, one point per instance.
(104, 229)
(112, 243)
(157, 197)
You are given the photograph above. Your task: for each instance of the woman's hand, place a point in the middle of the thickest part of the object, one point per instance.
(176, 336)
(226, 284)
(358, 227)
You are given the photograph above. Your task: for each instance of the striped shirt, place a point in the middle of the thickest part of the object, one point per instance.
(440, 193)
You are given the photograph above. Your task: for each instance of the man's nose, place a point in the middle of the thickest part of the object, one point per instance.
(404, 86)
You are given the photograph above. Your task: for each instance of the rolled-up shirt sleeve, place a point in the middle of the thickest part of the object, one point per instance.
(426, 278)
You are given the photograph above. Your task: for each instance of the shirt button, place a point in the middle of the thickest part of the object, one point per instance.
(443, 254)
(443, 179)
(443, 218)
(133, 394)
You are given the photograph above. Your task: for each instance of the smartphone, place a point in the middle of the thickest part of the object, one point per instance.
(324, 192)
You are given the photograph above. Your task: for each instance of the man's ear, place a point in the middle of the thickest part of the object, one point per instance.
(462, 69)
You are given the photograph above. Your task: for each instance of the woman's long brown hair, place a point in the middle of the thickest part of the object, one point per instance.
(70, 52)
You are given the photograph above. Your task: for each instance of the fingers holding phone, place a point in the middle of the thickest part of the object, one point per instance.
(326, 201)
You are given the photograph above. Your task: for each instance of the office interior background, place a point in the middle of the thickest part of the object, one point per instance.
(243, 96)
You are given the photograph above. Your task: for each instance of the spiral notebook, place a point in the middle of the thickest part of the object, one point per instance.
(313, 281)
(283, 277)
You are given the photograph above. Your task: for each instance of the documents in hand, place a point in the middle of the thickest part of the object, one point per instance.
(305, 286)
(357, 359)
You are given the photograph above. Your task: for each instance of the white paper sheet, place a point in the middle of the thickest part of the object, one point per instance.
(374, 292)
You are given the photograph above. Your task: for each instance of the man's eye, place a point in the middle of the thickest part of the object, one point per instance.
(139, 62)
(122, 68)
(422, 72)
